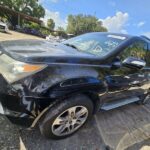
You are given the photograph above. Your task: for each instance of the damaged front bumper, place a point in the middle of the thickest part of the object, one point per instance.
(18, 108)
(14, 111)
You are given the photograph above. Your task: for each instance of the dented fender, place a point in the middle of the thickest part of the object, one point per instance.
(76, 85)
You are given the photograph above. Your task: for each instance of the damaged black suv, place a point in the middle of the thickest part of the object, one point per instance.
(59, 86)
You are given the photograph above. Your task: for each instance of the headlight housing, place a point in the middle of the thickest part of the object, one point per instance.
(13, 70)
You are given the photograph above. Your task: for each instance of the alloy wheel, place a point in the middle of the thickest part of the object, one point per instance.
(70, 120)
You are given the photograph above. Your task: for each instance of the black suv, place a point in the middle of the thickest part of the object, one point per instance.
(59, 86)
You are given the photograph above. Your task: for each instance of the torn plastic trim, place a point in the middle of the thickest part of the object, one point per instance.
(42, 113)
(37, 119)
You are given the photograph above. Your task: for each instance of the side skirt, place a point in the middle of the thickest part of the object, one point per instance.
(119, 103)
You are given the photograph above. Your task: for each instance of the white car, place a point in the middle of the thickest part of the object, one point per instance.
(3, 27)
(54, 39)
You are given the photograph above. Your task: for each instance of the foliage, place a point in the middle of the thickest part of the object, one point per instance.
(60, 28)
(43, 30)
(80, 24)
(29, 7)
(61, 32)
(32, 25)
(51, 24)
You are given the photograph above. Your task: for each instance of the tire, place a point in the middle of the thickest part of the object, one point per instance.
(51, 123)
(144, 99)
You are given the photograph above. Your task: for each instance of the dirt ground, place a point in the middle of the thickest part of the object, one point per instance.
(126, 128)
(15, 36)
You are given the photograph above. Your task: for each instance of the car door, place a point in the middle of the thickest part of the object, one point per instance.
(124, 82)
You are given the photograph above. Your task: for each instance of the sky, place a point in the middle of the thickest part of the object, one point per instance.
(123, 16)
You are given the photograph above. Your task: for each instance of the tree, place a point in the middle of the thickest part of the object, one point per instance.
(60, 28)
(28, 7)
(61, 32)
(51, 24)
(80, 24)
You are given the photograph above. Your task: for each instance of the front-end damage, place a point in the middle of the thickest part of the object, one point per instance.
(35, 74)
(25, 101)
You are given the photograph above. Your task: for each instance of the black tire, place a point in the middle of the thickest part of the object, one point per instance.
(46, 123)
(144, 99)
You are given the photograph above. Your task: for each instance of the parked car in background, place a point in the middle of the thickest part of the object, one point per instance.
(59, 86)
(54, 39)
(3, 27)
(28, 30)
(34, 32)
(18, 28)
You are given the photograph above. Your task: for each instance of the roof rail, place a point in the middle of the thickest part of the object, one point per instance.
(145, 37)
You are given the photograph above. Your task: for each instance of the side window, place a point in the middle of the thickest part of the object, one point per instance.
(148, 56)
(137, 49)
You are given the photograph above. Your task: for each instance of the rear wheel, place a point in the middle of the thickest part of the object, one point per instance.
(66, 117)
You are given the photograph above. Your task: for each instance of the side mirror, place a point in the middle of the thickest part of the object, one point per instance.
(132, 62)
(116, 64)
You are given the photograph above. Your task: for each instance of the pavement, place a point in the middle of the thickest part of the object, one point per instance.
(125, 128)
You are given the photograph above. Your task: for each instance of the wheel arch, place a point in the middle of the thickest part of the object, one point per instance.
(91, 88)
(95, 98)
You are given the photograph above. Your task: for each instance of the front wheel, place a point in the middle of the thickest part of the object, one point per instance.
(145, 100)
(66, 117)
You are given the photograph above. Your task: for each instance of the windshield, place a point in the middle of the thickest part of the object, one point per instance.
(96, 43)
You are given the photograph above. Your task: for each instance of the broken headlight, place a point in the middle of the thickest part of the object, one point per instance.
(13, 70)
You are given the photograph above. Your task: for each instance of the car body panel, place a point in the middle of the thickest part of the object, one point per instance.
(40, 51)
(68, 72)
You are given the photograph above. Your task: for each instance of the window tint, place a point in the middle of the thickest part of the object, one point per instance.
(137, 49)
(98, 44)
(148, 56)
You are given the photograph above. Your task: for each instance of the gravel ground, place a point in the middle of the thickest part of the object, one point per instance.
(9, 137)
(112, 130)
(15, 138)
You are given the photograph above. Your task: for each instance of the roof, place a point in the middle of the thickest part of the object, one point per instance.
(145, 37)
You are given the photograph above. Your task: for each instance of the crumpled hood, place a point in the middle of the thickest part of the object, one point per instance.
(39, 51)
